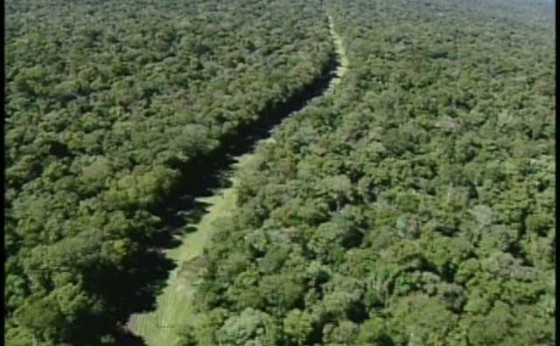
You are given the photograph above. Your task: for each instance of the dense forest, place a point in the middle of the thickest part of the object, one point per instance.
(414, 205)
(109, 107)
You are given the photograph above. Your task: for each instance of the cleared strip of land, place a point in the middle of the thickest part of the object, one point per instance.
(174, 307)
(174, 303)
(343, 62)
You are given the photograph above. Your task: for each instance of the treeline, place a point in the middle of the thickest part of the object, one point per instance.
(414, 205)
(107, 104)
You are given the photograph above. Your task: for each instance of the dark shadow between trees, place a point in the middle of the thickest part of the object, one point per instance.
(203, 176)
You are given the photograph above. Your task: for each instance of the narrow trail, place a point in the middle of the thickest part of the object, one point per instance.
(343, 61)
(160, 327)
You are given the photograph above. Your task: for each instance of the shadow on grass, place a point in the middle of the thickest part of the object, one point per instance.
(126, 338)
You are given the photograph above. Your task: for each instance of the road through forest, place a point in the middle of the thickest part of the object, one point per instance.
(174, 307)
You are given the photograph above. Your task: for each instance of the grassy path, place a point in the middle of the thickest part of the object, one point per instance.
(340, 52)
(174, 308)
(158, 328)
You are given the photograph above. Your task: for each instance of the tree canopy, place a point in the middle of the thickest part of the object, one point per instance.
(413, 205)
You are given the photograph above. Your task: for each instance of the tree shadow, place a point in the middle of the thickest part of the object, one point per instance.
(207, 173)
(126, 338)
(129, 288)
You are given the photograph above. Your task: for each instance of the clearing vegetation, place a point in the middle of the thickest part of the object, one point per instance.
(174, 304)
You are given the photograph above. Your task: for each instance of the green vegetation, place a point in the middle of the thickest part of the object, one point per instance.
(412, 206)
(111, 105)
